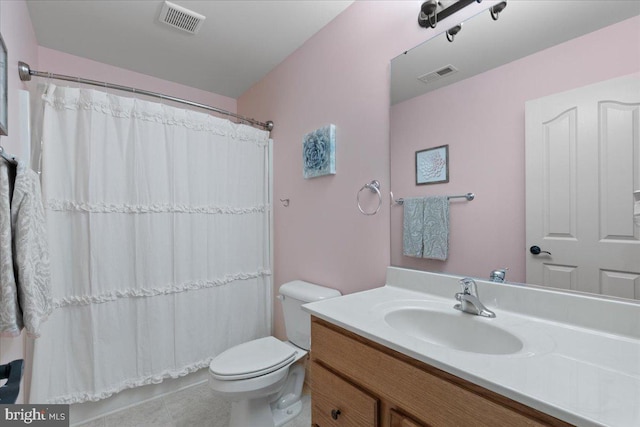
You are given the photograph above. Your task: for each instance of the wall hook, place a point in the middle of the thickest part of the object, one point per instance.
(285, 202)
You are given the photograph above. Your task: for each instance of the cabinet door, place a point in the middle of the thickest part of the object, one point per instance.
(398, 420)
(338, 403)
(430, 395)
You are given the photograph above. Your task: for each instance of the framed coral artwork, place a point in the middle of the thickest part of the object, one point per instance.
(432, 165)
(319, 152)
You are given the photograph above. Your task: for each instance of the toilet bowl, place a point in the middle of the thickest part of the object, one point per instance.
(261, 378)
(258, 379)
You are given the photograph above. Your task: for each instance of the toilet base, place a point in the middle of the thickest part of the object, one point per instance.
(273, 410)
(282, 416)
(254, 412)
(259, 413)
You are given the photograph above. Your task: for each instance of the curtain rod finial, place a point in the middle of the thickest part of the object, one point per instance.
(24, 71)
(269, 126)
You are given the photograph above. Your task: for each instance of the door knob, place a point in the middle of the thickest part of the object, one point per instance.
(537, 251)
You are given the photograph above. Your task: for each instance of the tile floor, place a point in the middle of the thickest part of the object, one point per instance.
(192, 407)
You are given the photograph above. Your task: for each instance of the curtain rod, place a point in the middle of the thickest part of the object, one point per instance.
(26, 72)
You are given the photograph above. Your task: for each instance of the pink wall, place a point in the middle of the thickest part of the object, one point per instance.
(63, 63)
(340, 76)
(19, 37)
(487, 150)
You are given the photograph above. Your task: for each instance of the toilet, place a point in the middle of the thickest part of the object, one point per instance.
(259, 377)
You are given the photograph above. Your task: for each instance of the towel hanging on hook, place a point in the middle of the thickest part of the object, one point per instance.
(8, 157)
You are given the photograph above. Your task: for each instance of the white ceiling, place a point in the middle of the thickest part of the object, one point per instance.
(238, 44)
(523, 28)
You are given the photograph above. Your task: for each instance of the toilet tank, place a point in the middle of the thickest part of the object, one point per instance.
(297, 322)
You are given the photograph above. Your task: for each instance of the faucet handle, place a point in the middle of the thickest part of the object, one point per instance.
(498, 275)
(468, 286)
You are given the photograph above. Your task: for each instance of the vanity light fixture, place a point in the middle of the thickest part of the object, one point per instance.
(451, 32)
(496, 9)
(434, 11)
(428, 12)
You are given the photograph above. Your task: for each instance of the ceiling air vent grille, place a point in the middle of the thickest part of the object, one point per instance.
(181, 18)
(438, 74)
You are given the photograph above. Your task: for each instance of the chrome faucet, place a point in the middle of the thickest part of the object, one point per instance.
(498, 275)
(469, 300)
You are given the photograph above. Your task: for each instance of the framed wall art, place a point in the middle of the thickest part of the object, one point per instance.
(432, 165)
(319, 152)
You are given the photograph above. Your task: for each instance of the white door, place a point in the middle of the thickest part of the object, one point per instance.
(582, 167)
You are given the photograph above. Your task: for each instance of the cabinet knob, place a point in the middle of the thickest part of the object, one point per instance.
(335, 413)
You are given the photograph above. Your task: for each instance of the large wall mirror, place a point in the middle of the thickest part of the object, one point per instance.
(481, 96)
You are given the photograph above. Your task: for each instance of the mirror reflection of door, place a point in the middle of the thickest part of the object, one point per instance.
(582, 168)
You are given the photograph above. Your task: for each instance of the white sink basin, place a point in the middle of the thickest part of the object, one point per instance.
(455, 330)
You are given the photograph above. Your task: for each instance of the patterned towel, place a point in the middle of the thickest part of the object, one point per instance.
(31, 251)
(436, 228)
(10, 318)
(413, 226)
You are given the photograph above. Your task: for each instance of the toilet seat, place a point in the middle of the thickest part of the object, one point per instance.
(252, 359)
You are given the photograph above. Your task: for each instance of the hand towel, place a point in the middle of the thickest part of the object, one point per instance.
(31, 251)
(10, 318)
(436, 228)
(413, 226)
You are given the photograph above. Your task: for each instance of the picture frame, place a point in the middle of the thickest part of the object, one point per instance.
(432, 165)
(319, 152)
(4, 104)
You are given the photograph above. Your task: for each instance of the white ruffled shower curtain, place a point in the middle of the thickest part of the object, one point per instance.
(158, 222)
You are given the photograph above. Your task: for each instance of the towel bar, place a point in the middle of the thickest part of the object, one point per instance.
(468, 196)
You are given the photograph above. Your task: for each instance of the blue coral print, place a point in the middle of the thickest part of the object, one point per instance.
(318, 152)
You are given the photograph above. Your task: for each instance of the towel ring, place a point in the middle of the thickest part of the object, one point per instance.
(374, 186)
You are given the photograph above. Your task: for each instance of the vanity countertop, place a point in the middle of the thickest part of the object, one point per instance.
(588, 376)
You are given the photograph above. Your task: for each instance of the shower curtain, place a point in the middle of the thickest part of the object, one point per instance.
(158, 222)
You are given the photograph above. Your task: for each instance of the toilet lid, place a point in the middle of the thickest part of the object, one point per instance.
(252, 359)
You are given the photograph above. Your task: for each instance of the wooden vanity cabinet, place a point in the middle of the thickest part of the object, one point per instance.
(331, 392)
(396, 419)
(357, 382)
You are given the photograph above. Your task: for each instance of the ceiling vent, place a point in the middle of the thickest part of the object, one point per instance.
(181, 18)
(438, 74)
